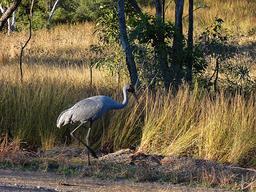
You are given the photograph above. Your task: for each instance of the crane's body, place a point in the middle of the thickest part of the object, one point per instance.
(89, 110)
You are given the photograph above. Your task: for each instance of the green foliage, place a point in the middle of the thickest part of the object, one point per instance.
(107, 29)
(147, 27)
(216, 45)
(148, 47)
(214, 39)
(238, 77)
(66, 12)
(39, 14)
(107, 23)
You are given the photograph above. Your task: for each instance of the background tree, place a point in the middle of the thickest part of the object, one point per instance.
(30, 17)
(178, 45)
(190, 43)
(7, 14)
(126, 45)
(160, 45)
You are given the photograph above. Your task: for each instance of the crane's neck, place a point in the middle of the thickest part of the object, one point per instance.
(125, 100)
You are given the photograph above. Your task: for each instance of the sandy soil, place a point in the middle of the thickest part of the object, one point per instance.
(66, 169)
(48, 182)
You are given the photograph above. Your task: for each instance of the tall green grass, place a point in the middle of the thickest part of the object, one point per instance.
(192, 123)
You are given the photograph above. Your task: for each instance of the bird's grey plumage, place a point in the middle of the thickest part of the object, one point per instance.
(90, 109)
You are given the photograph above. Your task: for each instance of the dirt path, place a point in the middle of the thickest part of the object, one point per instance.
(49, 182)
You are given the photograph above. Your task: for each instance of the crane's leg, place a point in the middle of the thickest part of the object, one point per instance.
(87, 140)
(87, 146)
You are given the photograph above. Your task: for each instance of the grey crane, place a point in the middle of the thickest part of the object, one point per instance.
(89, 110)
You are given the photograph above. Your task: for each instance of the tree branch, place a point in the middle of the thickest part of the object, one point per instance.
(7, 14)
(52, 11)
(29, 37)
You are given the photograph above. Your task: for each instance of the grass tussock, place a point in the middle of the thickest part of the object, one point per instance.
(193, 123)
(218, 128)
(30, 109)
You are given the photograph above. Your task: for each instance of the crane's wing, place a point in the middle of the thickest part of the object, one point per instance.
(87, 109)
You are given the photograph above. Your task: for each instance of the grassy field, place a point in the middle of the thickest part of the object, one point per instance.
(239, 16)
(193, 123)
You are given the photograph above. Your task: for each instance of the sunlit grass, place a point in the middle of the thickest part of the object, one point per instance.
(192, 123)
(30, 108)
(239, 16)
(217, 127)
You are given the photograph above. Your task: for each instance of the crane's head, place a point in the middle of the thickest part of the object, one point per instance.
(131, 89)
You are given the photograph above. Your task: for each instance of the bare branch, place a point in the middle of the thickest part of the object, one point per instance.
(2, 9)
(52, 11)
(30, 35)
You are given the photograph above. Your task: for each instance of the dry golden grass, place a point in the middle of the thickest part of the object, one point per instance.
(55, 77)
(63, 45)
(219, 128)
(239, 16)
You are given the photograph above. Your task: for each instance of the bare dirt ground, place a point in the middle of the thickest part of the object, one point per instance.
(44, 182)
(66, 169)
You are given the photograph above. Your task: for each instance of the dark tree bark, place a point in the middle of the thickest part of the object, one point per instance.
(7, 14)
(29, 37)
(125, 44)
(178, 15)
(163, 11)
(160, 48)
(159, 10)
(135, 6)
(190, 43)
(176, 67)
(215, 83)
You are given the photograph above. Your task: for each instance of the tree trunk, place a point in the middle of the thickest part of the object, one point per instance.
(177, 45)
(215, 83)
(9, 26)
(13, 25)
(159, 10)
(178, 15)
(125, 44)
(8, 13)
(190, 43)
(163, 11)
(30, 16)
(160, 48)
(52, 12)
(135, 6)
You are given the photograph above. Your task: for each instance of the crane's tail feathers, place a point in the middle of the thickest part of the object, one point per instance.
(91, 151)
